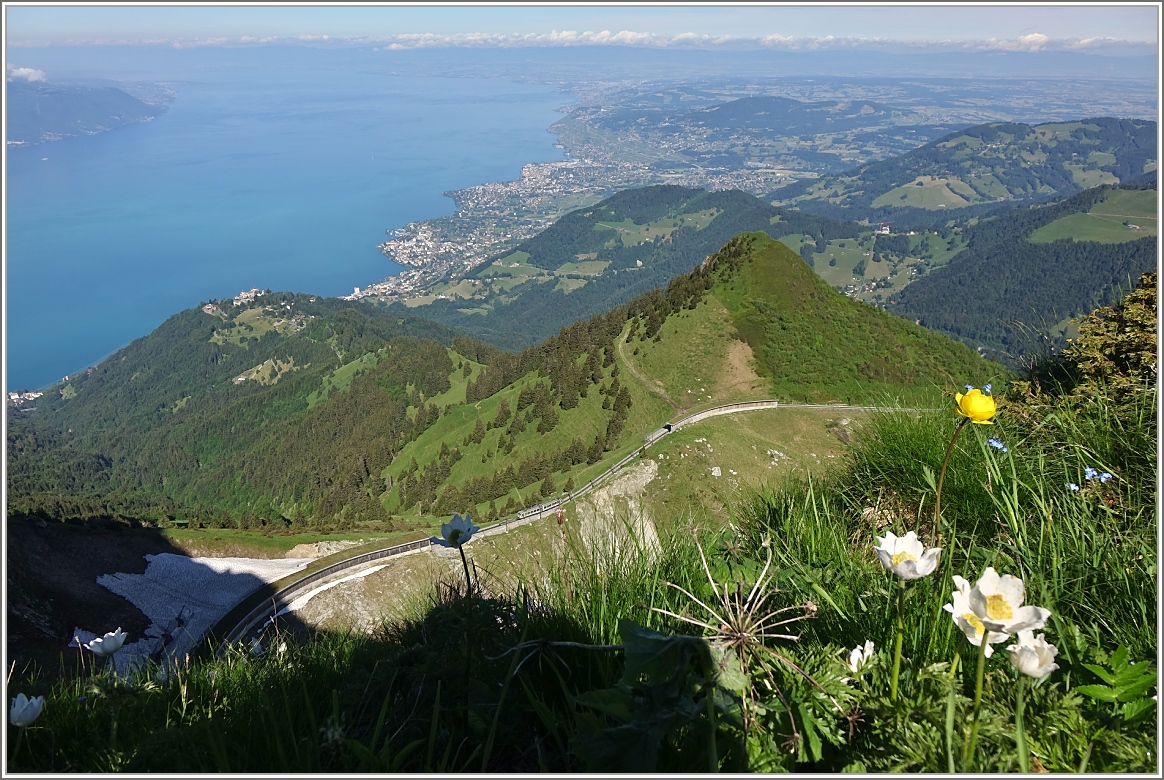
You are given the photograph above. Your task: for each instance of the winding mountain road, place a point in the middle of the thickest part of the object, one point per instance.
(269, 607)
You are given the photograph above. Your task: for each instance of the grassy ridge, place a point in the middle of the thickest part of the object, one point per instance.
(818, 345)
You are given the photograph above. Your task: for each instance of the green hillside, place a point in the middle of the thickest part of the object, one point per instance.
(596, 258)
(236, 410)
(970, 170)
(810, 342)
(1026, 271)
(302, 413)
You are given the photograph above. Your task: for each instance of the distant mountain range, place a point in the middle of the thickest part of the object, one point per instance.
(974, 170)
(40, 112)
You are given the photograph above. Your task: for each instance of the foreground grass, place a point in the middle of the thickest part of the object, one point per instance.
(596, 666)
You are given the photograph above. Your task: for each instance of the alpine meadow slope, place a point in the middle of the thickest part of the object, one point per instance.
(289, 412)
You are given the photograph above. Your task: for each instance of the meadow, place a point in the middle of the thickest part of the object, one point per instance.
(737, 643)
(1110, 221)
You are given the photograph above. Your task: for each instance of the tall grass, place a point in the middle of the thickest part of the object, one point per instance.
(553, 677)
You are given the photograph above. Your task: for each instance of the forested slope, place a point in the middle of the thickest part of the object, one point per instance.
(1003, 288)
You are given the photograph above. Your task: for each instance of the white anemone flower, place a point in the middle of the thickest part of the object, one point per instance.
(109, 644)
(25, 710)
(458, 531)
(1033, 655)
(906, 557)
(965, 619)
(998, 603)
(860, 656)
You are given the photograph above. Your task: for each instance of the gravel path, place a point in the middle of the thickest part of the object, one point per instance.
(183, 597)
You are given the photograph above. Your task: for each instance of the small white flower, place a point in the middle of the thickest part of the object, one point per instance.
(965, 619)
(998, 603)
(458, 531)
(906, 557)
(860, 656)
(109, 644)
(25, 710)
(1033, 656)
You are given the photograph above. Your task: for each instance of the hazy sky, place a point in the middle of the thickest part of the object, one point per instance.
(1030, 27)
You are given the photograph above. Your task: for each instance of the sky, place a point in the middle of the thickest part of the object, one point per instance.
(1130, 28)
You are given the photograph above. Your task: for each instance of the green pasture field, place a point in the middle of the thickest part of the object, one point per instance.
(633, 234)
(1088, 178)
(457, 380)
(569, 285)
(989, 185)
(1105, 221)
(929, 192)
(589, 267)
(501, 267)
(249, 324)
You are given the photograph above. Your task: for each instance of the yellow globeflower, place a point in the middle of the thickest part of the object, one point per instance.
(976, 405)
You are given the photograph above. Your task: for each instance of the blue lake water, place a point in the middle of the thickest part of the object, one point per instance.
(271, 169)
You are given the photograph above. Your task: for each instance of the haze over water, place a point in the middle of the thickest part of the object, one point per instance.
(274, 168)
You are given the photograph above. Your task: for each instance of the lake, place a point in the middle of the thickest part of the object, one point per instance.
(274, 168)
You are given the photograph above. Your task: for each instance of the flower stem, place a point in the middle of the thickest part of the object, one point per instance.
(950, 702)
(968, 749)
(712, 752)
(897, 639)
(16, 750)
(468, 580)
(1020, 736)
(942, 478)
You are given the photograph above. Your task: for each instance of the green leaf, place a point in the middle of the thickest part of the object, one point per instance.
(1097, 692)
(1119, 658)
(654, 658)
(1101, 673)
(1133, 672)
(1134, 711)
(808, 723)
(730, 673)
(1136, 689)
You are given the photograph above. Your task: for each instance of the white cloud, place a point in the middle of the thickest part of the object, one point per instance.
(25, 74)
(1033, 42)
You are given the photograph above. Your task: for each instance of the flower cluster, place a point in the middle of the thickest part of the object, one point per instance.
(992, 610)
